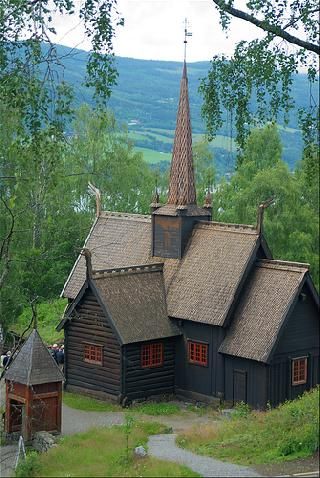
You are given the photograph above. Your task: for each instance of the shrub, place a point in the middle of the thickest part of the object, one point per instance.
(28, 467)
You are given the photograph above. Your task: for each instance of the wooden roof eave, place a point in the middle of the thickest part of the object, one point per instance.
(70, 308)
(265, 247)
(313, 290)
(106, 311)
(290, 307)
(241, 283)
(78, 258)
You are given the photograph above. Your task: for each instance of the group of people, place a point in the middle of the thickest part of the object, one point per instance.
(57, 353)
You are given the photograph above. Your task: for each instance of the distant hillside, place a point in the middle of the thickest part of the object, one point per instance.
(146, 100)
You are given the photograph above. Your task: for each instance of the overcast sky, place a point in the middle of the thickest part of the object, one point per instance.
(154, 30)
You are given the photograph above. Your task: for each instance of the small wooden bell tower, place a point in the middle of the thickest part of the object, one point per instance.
(33, 390)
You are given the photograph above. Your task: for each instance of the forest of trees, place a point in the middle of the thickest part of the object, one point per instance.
(45, 208)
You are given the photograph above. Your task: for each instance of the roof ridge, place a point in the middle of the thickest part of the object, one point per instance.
(283, 265)
(126, 215)
(135, 269)
(227, 227)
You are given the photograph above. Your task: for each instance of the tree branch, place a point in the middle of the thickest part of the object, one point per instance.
(4, 249)
(264, 25)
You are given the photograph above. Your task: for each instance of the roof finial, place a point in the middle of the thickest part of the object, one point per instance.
(186, 34)
(155, 204)
(261, 209)
(93, 191)
(87, 254)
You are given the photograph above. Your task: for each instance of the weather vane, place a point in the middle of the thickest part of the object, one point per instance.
(186, 34)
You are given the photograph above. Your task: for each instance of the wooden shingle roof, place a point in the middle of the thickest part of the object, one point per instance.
(115, 240)
(264, 305)
(210, 273)
(34, 364)
(182, 189)
(135, 301)
(199, 287)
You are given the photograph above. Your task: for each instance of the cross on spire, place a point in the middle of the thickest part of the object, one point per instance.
(186, 34)
(182, 190)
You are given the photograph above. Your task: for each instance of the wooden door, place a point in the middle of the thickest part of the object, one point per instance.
(239, 386)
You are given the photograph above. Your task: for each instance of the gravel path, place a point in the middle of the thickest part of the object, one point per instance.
(165, 448)
(77, 421)
(8, 456)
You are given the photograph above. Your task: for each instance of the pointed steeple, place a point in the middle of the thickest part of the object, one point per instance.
(182, 191)
(172, 224)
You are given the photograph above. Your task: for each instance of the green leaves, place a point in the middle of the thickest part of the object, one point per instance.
(255, 83)
(291, 224)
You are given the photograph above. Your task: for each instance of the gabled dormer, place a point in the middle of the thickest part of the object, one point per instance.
(172, 223)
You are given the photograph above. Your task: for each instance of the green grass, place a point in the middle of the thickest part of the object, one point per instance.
(48, 316)
(151, 156)
(102, 452)
(285, 433)
(88, 404)
(145, 135)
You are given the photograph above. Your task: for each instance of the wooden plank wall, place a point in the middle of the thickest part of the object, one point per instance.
(144, 382)
(92, 326)
(256, 380)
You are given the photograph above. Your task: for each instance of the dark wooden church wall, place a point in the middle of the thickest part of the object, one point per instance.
(252, 374)
(91, 326)
(206, 380)
(300, 338)
(142, 382)
(302, 327)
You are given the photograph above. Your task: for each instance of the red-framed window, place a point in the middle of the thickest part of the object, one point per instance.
(93, 354)
(198, 353)
(152, 355)
(299, 370)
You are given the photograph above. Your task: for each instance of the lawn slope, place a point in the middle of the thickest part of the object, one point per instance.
(288, 432)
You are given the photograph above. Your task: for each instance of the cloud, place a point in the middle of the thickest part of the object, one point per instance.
(154, 29)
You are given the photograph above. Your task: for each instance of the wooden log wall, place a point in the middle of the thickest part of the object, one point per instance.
(91, 326)
(144, 382)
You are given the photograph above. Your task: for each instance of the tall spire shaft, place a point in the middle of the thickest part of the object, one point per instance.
(182, 188)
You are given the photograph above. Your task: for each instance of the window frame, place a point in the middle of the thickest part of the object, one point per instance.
(93, 348)
(201, 346)
(298, 361)
(151, 355)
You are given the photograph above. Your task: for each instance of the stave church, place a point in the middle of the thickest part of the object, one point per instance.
(176, 303)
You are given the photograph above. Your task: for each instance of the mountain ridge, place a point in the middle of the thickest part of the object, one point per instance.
(146, 99)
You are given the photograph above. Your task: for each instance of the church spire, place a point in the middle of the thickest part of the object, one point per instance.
(172, 224)
(182, 191)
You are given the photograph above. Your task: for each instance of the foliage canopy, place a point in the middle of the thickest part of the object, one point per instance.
(264, 66)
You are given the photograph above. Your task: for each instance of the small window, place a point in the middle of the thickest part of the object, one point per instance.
(152, 355)
(93, 354)
(198, 353)
(299, 371)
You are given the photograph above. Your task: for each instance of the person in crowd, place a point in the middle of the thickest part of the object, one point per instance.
(7, 359)
(1, 359)
(60, 357)
(54, 352)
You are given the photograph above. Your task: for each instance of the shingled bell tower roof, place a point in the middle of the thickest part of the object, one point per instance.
(34, 364)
